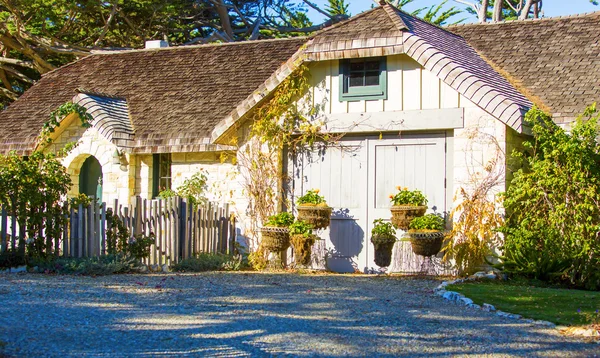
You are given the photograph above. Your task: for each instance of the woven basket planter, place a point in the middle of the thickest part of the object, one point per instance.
(275, 239)
(318, 216)
(303, 248)
(383, 249)
(403, 214)
(426, 243)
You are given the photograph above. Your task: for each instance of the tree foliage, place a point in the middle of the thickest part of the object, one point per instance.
(553, 203)
(436, 14)
(37, 36)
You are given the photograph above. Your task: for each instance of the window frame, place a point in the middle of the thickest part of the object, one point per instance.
(348, 93)
(157, 162)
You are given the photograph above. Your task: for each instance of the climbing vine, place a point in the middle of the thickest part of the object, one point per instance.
(289, 121)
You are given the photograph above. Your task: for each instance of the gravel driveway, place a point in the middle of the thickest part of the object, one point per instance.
(253, 314)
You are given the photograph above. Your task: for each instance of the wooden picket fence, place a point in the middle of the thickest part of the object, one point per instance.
(181, 230)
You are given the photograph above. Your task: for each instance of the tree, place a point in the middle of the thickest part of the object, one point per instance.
(506, 9)
(37, 36)
(434, 14)
(337, 7)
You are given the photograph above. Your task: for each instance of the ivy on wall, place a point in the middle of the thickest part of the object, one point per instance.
(33, 188)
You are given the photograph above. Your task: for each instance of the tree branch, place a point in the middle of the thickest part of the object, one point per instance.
(15, 62)
(316, 8)
(107, 25)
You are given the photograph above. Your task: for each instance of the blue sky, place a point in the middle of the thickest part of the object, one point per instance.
(551, 7)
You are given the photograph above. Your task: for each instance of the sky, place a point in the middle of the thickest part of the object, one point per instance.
(551, 8)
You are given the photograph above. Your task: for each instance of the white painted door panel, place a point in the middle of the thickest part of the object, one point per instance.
(415, 163)
(340, 175)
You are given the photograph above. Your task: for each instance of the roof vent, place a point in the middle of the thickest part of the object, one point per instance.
(157, 44)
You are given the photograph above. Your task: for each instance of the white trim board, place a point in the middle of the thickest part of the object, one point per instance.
(427, 119)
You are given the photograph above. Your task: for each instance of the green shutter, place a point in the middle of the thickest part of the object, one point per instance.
(155, 174)
(366, 93)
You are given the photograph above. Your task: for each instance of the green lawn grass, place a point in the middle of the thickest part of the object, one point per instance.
(557, 305)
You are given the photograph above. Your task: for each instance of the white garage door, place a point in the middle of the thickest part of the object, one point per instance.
(357, 178)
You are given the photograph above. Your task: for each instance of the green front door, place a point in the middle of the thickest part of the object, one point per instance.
(90, 178)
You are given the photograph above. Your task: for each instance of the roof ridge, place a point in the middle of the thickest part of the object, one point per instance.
(99, 94)
(397, 20)
(423, 21)
(347, 21)
(212, 44)
(551, 18)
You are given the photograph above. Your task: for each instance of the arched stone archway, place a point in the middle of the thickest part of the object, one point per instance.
(87, 174)
(90, 178)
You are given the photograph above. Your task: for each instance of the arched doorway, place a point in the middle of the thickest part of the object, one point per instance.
(90, 178)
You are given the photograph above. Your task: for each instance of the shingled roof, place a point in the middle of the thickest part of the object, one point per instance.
(554, 61)
(175, 96)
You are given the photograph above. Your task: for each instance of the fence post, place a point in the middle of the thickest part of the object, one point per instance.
(182, 223)
(3, 230)
(80, 221)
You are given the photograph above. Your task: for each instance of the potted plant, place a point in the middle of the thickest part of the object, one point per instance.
(383, 238)
(426, 234)
(313, 209)
(275, 233)
(302, 238)
(407, 205)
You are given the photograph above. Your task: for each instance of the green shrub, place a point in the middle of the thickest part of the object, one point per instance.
(280, 220)
(11, 258)
(210, 262)
(552, 204)
(428, 222)
(301, 227)
(94, 266)
(383, 229)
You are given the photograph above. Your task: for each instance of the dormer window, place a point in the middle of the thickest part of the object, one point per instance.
(363, 79)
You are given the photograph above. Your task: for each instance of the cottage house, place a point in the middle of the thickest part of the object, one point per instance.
(419, 106)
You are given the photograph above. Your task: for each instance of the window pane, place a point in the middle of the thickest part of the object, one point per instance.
(372, 65)
(357, 66)
(356, 80)
(372, 79)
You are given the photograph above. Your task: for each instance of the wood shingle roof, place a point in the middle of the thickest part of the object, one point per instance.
(554, 61)
(175, 96)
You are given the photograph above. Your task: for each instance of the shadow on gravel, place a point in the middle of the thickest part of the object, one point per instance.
(238, 314)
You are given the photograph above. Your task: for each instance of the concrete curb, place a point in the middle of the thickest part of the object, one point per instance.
(463, 300)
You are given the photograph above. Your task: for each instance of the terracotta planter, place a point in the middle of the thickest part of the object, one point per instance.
(403, 214)
(275, 239)
(383, 249)
(302, 248)
(426, 243)
(318, 216)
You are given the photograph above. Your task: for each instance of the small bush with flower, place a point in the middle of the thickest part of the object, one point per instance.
(408, 197)
(311, 198)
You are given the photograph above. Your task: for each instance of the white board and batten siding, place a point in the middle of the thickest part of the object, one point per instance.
(357, 178)
(405, 140)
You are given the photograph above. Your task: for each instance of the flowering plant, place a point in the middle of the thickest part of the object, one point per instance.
(312, 197)
(408, 197)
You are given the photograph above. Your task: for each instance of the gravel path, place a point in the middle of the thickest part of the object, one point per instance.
(249, 314)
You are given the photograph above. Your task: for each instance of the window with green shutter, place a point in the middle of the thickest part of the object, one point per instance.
(161, 173)
(363, 79)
